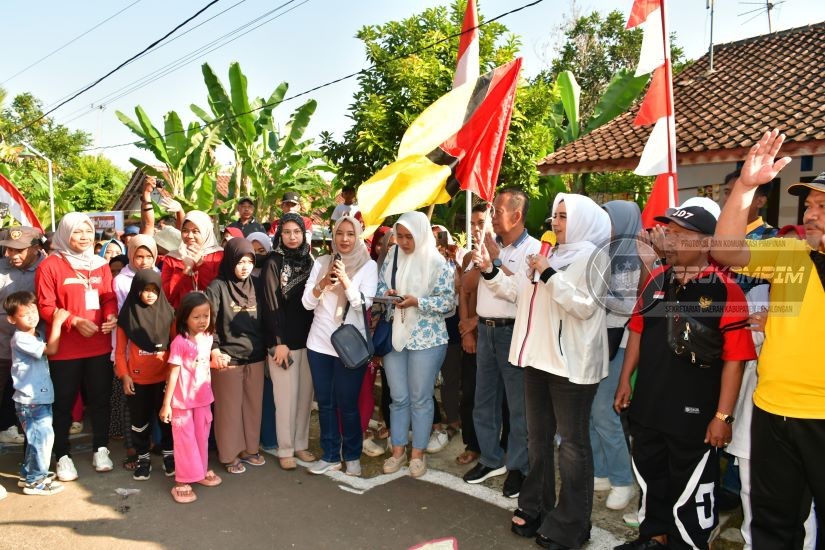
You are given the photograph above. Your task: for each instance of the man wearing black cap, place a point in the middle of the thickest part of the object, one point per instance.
(22, 256)
(689, 340)
(246, 218)
(291, 203)
(788, 425)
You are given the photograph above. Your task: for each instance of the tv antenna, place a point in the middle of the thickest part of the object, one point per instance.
(764, 7)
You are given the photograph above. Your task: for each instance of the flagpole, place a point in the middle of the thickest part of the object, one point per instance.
(468, 213)
(671, 131)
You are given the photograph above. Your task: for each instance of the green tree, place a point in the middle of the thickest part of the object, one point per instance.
(268, 160)
(412, 70)
(94, 183)
(595, 48)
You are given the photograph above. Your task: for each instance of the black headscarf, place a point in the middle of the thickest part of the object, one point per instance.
(294, 264)
(241, 291)
(146, 326)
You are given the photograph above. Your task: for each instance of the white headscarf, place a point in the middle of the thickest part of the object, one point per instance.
(261, 238)
(204, 224)
(86, 260)
(588, 227)
(354, 260)
(417, 273)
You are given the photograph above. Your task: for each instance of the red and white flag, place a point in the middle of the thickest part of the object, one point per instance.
(467, 65)
(19, 208)
(659, 155)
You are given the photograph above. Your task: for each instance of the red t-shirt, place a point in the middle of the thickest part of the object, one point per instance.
(58, 285)
(176, 285)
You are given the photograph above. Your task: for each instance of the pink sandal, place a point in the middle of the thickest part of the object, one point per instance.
(211, 480)
(183, 494)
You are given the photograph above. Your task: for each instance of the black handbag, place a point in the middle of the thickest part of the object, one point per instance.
(700, 343)
(352, 348)
(382, 335)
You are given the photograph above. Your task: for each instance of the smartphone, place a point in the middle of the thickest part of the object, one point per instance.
(442, 239)
(333, 277)
(387, 299)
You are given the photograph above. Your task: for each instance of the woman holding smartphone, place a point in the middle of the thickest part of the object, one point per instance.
(336, 291)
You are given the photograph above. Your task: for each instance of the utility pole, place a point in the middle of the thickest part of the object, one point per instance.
(710, 49)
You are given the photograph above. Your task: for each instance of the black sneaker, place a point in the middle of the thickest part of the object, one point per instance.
(143, 470)
(480, 472)
(512, 485)
(169, 465)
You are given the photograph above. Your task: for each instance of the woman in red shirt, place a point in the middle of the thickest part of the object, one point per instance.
(195, 264)
(73, 278)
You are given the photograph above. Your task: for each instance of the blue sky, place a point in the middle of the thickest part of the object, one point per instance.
(312, 44)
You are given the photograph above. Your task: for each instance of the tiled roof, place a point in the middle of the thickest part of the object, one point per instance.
(775, 80)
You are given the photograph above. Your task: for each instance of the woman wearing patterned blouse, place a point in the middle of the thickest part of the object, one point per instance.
(424, 283)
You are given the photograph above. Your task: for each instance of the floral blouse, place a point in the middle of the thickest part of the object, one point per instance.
(431, 331)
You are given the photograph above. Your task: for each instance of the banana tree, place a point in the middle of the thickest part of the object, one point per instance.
(187, 155)
(242, 124)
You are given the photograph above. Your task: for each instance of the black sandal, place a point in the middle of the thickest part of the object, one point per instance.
(530, 527)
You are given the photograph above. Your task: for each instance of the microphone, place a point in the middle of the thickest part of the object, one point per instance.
(548, 241)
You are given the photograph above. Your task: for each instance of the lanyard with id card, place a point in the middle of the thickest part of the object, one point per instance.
(92, 299)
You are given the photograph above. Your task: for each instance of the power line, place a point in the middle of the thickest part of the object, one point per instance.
(331, 82)
(69, 43)
(160, 47)
(184, 60)
(110, 73)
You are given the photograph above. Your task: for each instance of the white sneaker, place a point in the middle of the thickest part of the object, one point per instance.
(101, 460)
(619, 497)
(438, 440)
(631, 519)
(11, 436)
(353, 468)
(601, 484)
(65, 469)
(371, 448)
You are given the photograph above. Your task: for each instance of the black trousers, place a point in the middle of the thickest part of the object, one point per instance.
(676, 473)
(143, 406)
(468, 399)
(95, 374)
(787, 473)
(554, 404)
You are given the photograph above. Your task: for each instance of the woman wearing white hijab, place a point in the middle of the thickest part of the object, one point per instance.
(426, 285)
(195, 264)
(560, 339)
(75, 279)
(337, 290)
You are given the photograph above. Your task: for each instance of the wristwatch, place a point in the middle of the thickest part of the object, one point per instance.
(726, 418)
(497, 263)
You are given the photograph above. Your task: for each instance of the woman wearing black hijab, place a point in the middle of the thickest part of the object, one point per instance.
(287, 324)
(237, 358)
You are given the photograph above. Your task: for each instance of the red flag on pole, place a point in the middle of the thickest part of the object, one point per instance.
(19, 208)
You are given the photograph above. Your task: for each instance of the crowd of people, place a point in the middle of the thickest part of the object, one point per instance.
(626, 356)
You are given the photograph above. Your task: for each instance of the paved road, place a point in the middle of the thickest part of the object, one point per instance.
(263, 508)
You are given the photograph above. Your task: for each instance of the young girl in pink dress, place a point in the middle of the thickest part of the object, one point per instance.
(189, 394)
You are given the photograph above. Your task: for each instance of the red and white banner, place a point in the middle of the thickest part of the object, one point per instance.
(467, 64)
(19, 208)
(659, 155)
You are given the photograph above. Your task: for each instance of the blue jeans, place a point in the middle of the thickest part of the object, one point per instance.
(336, 390)
(37, 424)
(411, 375)
(269, 438)
(495, 376)
(611, 458)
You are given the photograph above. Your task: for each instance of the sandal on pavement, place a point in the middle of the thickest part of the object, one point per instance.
(305, 455)
(526, 529)
(235, 467)
(287, 463)
(211, 479)
(253, 460)
(466, 457)
(183, 494)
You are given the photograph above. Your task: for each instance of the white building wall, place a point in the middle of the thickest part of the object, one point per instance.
(694, 179)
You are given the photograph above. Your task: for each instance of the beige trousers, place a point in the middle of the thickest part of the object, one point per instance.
(239, 394)
(292, 390)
